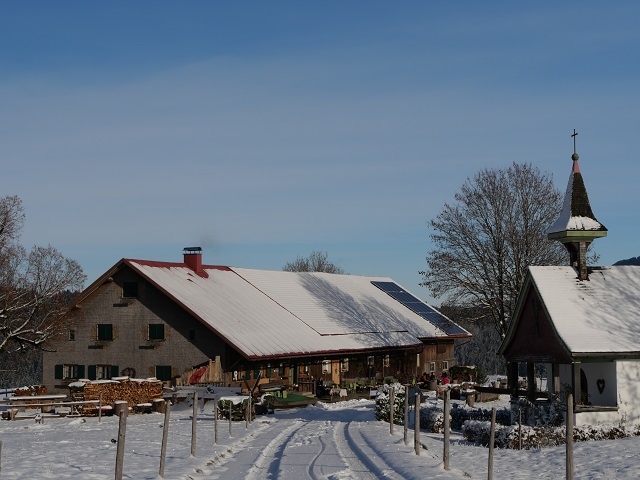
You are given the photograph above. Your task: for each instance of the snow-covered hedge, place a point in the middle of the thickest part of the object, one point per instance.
(460, 415)
(478, 432)
(432, 417)
(382, 403)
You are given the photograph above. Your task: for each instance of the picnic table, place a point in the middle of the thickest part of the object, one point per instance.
(341, 392)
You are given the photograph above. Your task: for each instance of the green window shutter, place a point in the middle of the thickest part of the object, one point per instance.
(58, 372)
(247, 375)
(115, 371)
(268, 372)
(163, 372)
(80, 371)
(156, 331)
(105, 331)
(256, 372)
(91, 372)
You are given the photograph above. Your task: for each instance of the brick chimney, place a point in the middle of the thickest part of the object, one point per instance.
(193, 260)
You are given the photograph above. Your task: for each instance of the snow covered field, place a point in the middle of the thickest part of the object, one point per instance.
(335, 441)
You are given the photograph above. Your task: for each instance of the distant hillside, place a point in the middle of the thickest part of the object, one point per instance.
(629, 261)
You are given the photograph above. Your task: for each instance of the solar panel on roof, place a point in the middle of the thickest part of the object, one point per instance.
(402, 296)
(413, 303)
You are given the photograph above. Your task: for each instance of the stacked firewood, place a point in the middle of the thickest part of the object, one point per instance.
(30, 391)
(134, 392)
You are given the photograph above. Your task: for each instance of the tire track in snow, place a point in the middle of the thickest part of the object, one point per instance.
(268, 463)
(312, 465)
(362, 460)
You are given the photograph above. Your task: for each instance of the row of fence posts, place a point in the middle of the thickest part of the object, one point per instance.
(122, 427)
(447, 429)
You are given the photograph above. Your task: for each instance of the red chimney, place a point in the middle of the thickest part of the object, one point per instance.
(193, 260)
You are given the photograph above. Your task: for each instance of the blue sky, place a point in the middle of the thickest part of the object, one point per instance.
(264, 130)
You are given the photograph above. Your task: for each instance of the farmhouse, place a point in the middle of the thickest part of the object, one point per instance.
(579, 324)
(176, 321)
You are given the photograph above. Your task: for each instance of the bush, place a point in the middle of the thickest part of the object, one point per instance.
(461, 415)
(432, 419)
(382, 403)
(478, 432)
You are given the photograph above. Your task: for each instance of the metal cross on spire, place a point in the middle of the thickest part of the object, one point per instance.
(575, 134)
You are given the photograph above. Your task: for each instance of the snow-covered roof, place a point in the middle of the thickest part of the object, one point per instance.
(576, 214)
(274, 313)
(601, 315)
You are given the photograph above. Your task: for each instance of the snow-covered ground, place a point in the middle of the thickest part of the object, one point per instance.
(340, 440)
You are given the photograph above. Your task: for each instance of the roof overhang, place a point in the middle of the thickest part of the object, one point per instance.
(566, 236)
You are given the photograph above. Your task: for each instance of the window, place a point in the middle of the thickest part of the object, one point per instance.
(105, 331)
(99, 372)
(103, 371)
(370, 361)
(432, 367)
(72, 334)
(387, 361)
(326, 366)
(445, 365)
(130, 289)
(344, 365)
(156, 331)
(69, 371)
(163, 372)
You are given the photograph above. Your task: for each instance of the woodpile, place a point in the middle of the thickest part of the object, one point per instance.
(30, 391)
(132, 391)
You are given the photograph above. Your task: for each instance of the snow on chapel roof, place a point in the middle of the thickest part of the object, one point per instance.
(601, 315)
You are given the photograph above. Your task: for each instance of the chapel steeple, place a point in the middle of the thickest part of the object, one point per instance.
(576, 227)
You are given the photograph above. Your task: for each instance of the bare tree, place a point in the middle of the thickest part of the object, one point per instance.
(485, 241)
(33, 285)
(314, 262)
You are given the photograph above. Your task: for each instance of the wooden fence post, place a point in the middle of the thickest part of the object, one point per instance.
(392, 401)
(0, 455)
(447, 429)
(215, 423)
(406, 414)
(416, 425)
(194, 416)
(165, 435)
(520, 429)
(569, 428)
(492, 438)
(100, 409)
(230, 413)
(122, 430)
(247, 413)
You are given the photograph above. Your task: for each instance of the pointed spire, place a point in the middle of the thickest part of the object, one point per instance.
(577, 226)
